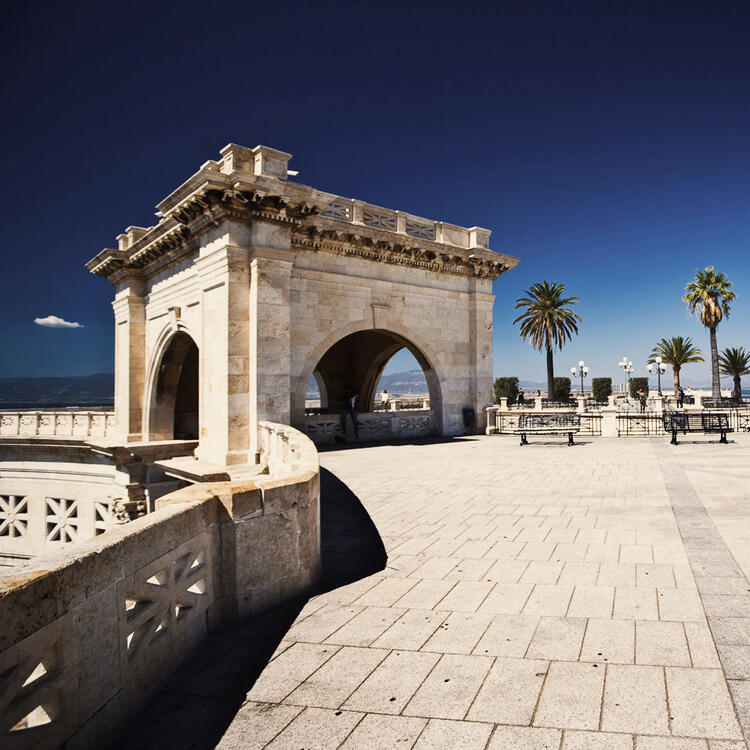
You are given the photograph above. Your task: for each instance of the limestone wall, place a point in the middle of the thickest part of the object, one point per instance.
(90, 633)
(446, 317)
(265, 275)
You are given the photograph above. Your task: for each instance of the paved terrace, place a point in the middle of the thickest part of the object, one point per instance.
(539, 597)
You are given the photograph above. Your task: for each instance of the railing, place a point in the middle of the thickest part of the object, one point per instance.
(399, 404)
(365, 214)
(639, 424)
(505, 423)
(725, 403)
(592, 404)
(591, 424)
(32, 523)
(571, 403)
(525, 404)
(326, 428)
(58, 423)
(90, 632)
(739, 419)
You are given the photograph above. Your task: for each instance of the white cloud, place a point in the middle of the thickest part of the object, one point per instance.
(52, 321)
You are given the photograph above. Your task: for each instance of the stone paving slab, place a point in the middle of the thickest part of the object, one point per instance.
(592, 598)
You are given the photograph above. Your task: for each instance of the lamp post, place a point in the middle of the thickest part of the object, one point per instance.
(660, 368)
(582, 371)
(627, 367)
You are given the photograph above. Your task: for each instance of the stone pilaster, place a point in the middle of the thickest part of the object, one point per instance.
(480, 341)
(224, 420)
(130, 357)
(270, 345)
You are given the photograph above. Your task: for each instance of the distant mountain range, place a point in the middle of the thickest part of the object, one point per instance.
(411, 383)
(57, 393)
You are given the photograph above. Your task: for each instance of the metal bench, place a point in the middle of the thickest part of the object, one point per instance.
(705, 422)
(548, 424)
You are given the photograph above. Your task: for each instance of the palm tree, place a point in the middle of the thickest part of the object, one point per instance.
(735, 362)
(710, 292)
(677, 352)
(546, 322)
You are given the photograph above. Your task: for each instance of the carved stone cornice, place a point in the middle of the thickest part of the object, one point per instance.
(249, 185)
(384, 247)
(193, 216)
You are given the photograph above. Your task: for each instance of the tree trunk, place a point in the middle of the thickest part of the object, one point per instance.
(550, 375)
(715, 382)
(676, 371)
(737, 388)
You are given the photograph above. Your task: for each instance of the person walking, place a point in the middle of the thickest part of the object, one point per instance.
(680, 398)
(351, 400)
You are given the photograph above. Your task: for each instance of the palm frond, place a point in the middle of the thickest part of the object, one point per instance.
(546, 320)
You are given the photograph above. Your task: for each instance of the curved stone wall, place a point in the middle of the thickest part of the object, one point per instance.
(90, 632)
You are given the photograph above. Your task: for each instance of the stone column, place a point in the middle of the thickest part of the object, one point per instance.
(130, 356)
(224, 414)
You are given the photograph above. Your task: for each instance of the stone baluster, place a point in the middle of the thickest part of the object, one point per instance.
(357, 212)
(400, 222)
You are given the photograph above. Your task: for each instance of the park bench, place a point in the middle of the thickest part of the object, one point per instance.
(548, 424)
(705, 422)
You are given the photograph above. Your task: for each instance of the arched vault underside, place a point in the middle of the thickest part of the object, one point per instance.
(355, 363)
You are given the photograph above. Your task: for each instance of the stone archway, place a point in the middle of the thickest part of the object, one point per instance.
(173, 406)
(354, 364)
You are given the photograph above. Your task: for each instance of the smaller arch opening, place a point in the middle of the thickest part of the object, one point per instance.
(346, 389)
(175, 402)
(402, 380)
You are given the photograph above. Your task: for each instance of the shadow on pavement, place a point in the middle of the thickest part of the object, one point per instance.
(352, 444)
(199, 700)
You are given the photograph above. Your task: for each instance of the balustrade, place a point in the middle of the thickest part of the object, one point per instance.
(620, 418)
(388, 425)
(357, 212)
(59, 423)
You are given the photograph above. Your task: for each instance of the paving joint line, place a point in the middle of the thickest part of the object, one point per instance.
(695, 525)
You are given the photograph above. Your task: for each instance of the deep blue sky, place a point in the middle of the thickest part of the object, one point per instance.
(605, 144)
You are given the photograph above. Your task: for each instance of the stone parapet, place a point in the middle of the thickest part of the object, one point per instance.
(90, 632)
(59, 423)
(389, 425)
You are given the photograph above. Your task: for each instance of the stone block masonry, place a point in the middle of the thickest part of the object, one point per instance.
(90, 632)
(271, 282)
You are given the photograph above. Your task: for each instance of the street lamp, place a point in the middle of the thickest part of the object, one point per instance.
(582, 371)
(627, 367)
(660, 368)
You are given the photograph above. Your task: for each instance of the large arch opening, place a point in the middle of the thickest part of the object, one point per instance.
(173, 413)
(354, 366)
